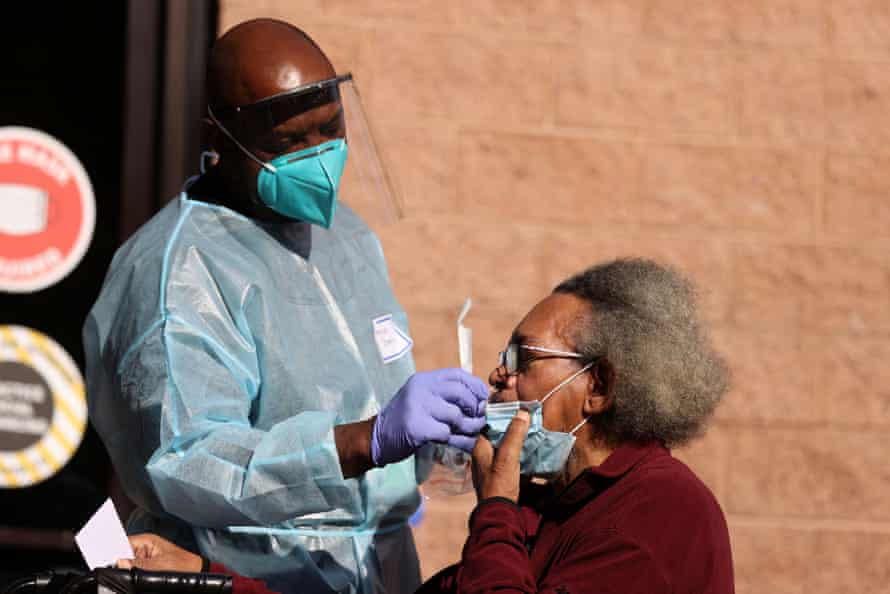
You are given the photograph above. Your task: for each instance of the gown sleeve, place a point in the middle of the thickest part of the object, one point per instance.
(192, 389)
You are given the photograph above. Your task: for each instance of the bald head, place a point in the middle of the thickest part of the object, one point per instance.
(260, 58)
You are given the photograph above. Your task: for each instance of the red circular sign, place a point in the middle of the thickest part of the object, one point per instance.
(47, 210)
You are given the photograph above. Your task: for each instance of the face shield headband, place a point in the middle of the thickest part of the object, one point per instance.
(254, 119)
(263, 115)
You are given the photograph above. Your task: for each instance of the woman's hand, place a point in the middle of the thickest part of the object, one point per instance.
(496, 473)
(157, 554)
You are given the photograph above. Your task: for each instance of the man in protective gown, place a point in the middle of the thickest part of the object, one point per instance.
(249, 368)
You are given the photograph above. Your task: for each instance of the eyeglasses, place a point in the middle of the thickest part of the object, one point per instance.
(510, 360)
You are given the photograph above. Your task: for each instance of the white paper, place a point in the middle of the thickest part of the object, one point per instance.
(392, 342)
(465, 338)
(103, 540)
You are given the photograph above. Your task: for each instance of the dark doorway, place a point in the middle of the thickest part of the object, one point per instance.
(121, 85)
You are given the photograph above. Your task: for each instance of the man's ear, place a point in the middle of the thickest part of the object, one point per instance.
(600, 384)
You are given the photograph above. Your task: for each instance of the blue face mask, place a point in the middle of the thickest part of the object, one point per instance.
(303, 185)
(544, 452)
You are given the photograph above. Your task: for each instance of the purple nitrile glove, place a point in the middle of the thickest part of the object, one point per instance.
(445, 406)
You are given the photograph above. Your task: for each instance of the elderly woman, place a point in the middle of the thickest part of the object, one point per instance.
(577, 489)
(601, 378)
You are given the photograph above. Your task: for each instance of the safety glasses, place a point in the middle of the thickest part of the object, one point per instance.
(513, 361)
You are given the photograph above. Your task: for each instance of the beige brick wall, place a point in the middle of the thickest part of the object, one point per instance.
(745, 141)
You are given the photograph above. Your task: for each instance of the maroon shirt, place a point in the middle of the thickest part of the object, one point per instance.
(641, 522)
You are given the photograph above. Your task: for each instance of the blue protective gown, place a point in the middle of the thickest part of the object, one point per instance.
(220, 355)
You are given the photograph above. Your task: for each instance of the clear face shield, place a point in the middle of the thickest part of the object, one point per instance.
(365, 184)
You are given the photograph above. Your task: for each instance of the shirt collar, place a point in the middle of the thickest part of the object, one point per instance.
(625, 457)
(597, 479)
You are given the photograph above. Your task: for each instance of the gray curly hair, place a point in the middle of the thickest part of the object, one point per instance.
(643, 320)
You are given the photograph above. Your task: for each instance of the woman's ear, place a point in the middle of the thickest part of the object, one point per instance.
(600, 386)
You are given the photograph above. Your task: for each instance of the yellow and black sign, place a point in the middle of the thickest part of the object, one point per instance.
(43, 409)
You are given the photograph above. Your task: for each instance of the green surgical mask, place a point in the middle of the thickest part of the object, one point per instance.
(303, 185)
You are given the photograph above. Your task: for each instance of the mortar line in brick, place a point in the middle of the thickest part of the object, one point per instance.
(725, 139)
(605, 27)
(807, 524)
(809, 51)
(504, 33)
(803, 334)
(606, 35)
(734, 134)
(741, 238)
(614, 134)
(631, 135)
(800, 426)
(820, 222)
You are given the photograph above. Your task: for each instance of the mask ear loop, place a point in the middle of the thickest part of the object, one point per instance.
(268, 167)
(562, 384)
(211, 156)
(579, 425)
(566, 381)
